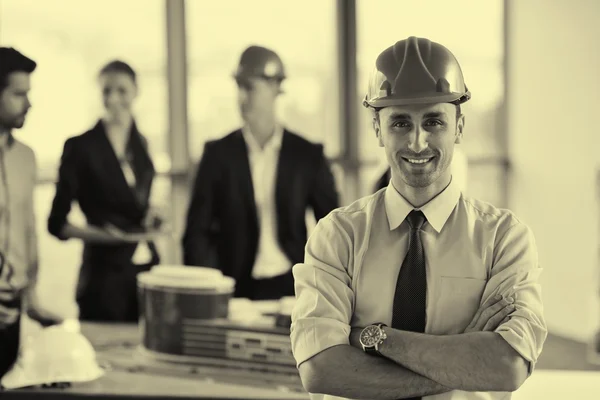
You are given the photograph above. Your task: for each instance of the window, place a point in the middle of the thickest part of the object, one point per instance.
(65, 97)
(473, 31)
(309, 105)
(71, 40)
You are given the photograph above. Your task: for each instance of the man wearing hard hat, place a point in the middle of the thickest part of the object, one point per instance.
(418, 291)
(253, 187)
(18, 245)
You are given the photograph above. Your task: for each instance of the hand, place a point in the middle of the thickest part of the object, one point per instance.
(493, 313)
(44, 317)
(355, 338)
(6, 295)
(155, 218)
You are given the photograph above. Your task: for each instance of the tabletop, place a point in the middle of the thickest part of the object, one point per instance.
(131, 376)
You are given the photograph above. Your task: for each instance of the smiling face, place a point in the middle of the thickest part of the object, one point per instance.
(419, 143)
(119, 91)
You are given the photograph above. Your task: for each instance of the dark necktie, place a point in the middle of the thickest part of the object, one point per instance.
(411, 288)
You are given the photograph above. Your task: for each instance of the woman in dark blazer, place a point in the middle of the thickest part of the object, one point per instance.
(109, 172)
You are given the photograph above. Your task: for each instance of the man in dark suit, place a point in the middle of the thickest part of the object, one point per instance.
(253, 188)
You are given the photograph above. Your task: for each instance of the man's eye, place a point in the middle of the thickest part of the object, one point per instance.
(401, 124)
(433, 122)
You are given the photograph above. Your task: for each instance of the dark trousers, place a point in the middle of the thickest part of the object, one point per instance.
(110, 295)
(272, 288)
(9, 346)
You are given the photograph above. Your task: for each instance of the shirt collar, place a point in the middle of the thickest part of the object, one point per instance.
(437, 211)
(274, 141)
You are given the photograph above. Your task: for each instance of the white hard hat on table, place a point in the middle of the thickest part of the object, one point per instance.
(56, 354)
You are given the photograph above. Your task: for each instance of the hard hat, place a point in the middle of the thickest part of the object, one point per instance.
(56, 354)
(260, 62)
(416, 71)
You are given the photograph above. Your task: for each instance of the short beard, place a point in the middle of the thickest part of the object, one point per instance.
(16, 123)
(419, 181)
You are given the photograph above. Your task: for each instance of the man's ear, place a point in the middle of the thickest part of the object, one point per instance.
(377, 129)
(460, 126)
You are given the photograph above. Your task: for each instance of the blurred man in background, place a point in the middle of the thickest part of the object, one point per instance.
(253, 187)
(417, 290)
(18, 239)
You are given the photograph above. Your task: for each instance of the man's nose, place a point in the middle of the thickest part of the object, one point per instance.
(111, 99)
(418, 140)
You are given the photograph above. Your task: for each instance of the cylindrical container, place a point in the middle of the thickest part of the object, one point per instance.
(284, 314)
(174, 300)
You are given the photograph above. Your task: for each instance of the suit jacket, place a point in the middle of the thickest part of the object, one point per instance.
(91, 174)
(222, 225)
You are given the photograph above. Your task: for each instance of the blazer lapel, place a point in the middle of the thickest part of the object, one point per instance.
(142, 165)
(284, 173)
(111, 165)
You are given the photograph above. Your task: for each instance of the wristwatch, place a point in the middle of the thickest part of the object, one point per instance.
(371, 337)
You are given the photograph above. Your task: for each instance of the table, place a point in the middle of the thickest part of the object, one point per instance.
(117, 343)
(129, 379)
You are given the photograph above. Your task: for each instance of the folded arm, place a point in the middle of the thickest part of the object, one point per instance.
(476, 361)
(483, 361)
(348, 372)
(320, 328)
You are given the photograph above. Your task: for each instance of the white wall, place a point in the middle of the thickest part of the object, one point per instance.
(554, 141)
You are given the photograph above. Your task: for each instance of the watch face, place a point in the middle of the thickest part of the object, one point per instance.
(370, 336)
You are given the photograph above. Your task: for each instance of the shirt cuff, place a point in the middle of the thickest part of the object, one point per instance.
(311, 336)
(519, 343)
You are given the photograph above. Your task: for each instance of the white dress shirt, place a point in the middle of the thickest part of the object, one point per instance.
(270, 260)
(18, 237)
(473, 251)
